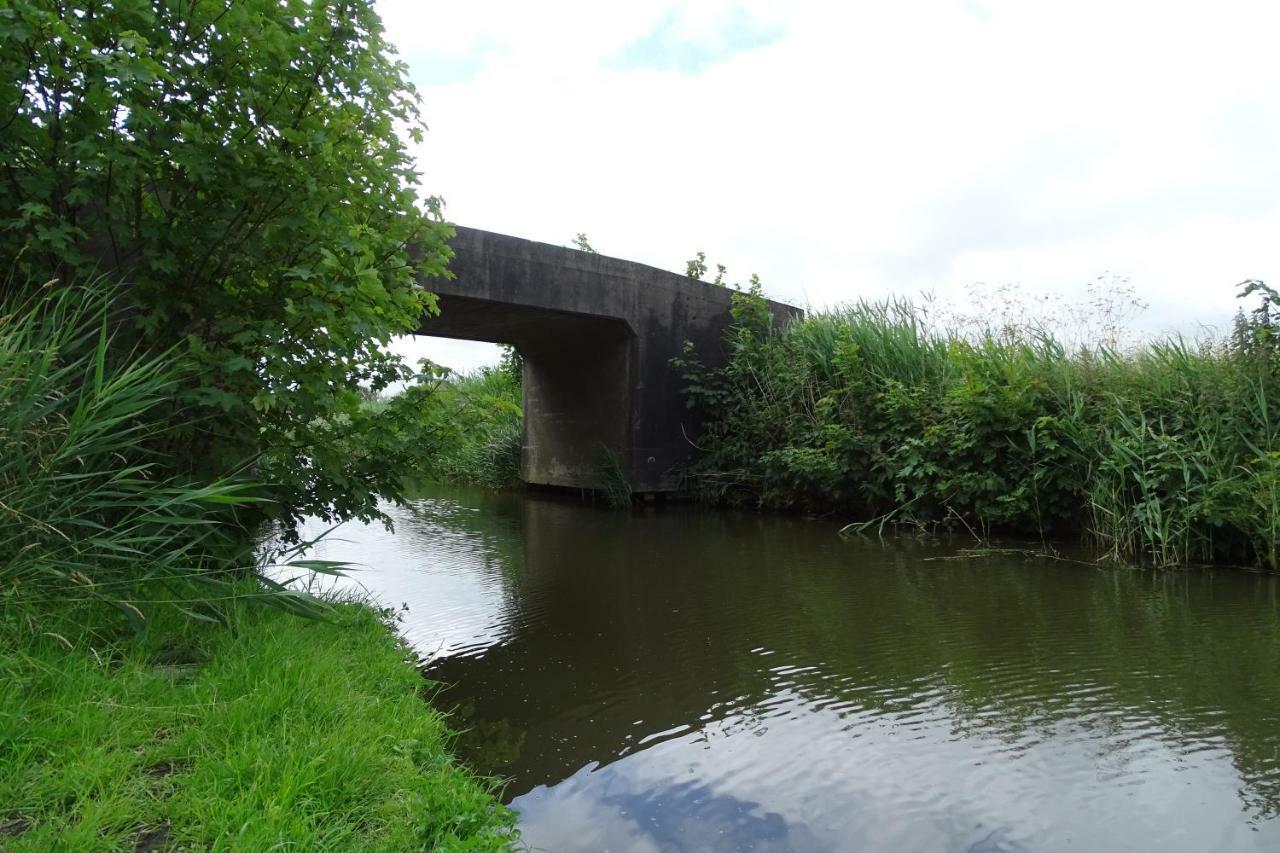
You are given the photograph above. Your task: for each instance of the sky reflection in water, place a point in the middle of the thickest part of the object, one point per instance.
(683, 680)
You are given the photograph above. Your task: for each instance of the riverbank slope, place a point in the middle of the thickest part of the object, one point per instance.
(275, 732)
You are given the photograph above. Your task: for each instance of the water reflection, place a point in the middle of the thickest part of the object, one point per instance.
(458, 560)
(683, 680)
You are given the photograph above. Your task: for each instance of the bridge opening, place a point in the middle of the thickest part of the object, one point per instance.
(460, 356)
(577, 381)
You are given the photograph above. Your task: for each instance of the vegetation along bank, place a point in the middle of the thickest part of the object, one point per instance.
(1165, 453)
(158, 693)
(467, 426)
(210, 229)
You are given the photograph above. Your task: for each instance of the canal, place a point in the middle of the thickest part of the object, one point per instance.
(689, 680)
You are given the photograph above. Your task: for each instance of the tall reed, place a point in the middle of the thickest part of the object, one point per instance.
(90, 509)
(1169, 454)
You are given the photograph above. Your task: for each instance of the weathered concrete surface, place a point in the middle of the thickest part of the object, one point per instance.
(597, 335)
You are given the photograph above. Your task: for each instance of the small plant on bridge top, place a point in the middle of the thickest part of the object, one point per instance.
(582, 244)
(696, 267)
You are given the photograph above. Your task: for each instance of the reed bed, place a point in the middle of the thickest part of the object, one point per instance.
(1166, 454)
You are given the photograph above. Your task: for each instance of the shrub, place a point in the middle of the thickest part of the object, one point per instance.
(240, 166)
(464, 428)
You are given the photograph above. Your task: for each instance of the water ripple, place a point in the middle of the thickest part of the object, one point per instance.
(691, 681)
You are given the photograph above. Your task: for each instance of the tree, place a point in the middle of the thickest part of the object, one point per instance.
(242, 165)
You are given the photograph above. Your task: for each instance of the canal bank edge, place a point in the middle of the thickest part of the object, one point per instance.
(277, 732)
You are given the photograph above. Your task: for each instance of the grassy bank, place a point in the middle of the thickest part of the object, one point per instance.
(279, 732)
(1168, 453)
(177, 376)
(161, 688)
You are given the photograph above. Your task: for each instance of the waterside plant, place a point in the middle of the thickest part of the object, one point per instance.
(1167, 453)
(151, 701)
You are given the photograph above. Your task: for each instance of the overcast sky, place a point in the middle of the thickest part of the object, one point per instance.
(859, 149)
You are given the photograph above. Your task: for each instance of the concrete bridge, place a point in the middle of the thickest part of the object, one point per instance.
(597, 335)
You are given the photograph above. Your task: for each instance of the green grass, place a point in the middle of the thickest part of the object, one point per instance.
(284, 733)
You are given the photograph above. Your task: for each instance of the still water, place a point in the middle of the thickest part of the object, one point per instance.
(676, 679)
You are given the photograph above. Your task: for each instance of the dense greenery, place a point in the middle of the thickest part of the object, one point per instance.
(90, 505)
(285, 733)
(1168, 454)
(210, 228)
(146, 703)
(243, 167)
(465, 428)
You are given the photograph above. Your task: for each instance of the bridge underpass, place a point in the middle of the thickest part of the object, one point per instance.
(597, 335)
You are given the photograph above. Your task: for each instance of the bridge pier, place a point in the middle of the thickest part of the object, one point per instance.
(577, 407)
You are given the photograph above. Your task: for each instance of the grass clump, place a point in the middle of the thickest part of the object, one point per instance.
(1167, 453)
(284, 733)
(91, 504)
(94, 504)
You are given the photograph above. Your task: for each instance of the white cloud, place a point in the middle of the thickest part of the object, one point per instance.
(863, 149)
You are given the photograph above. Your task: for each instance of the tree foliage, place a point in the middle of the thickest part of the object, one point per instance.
(243, 166)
